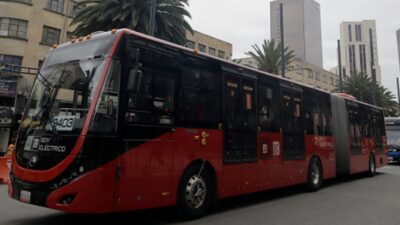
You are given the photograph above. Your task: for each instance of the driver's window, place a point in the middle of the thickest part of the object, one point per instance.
(107, 107)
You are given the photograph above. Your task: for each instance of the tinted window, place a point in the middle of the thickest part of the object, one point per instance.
(153, 101)
(200, 103)
(268, 109)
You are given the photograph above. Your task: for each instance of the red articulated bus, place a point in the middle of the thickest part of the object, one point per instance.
(121, 121)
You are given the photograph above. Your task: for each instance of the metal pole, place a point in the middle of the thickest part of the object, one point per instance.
(282, 40)
(340, 67)
(152, 26)
(373, 75)
(398, 93)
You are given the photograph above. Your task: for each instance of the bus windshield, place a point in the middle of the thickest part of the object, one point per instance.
(62, 95)
(65, 86)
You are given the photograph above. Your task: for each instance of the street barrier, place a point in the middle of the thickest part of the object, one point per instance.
(5, 165)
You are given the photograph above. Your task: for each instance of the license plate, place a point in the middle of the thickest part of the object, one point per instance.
(390, 158)
(25, 196)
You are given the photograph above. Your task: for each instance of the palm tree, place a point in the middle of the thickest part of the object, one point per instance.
(359, 85)
(268, 57)
(171, 24)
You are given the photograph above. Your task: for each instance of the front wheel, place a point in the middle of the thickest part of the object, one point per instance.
(372, 166)
(314, 180)
(194, 193)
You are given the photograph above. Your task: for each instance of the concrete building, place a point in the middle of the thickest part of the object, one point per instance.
(303, 72)
(302, 28)
(210, 45)
(356, 52)
(398, 43)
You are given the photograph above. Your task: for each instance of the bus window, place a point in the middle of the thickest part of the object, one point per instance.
(268, 109)
(107, 108)
(355, 129)
(153, 102)
(318, 115)
(200, 102)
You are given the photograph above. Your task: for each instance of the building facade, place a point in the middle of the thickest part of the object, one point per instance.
(398, 43)
(210, 45)
(303, 72)
(302, 28)
(359, 48)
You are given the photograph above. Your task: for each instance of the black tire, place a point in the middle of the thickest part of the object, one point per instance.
(315, 175)
(372, 166)
(195, 193)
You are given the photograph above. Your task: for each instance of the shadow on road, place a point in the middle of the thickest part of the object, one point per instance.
(168, 215)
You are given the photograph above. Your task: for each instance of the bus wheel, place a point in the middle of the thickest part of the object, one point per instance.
(314, 180)
(194, 193)
(372, 166)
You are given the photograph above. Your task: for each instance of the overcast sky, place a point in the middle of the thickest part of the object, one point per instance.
(244, 23)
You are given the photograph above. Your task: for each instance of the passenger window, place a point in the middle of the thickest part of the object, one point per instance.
(355, 129)
(153, 102)
(200, 103)
(268, 109)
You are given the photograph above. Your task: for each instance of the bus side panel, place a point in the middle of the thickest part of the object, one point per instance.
(189, 148)
(273, 160)
(381, 158)
(340, 133)
(360, 163)
(145, 174)
(322, 146)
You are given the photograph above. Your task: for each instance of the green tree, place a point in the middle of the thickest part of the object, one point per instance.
(268, 57)
(359, 85)
(171, 24)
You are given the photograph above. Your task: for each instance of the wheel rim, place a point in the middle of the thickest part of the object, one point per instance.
(315, 174)
(195, 191)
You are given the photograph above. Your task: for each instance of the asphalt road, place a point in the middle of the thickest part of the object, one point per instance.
(357, 200)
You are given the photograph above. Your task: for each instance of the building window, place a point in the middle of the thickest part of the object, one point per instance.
(56, 5)
(13, 27)
(70, 36)
(13, 63)
(50, 35)
(221, 54)
(190, 44)
(331, 81)
(74, 8)
(212, 51)
(317, 77)
(358, 33)
(202, 48)
(363, 60)
(350, 37)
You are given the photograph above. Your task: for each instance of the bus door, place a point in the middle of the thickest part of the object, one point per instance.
(292, 123)
(240, 133)
(144, 173)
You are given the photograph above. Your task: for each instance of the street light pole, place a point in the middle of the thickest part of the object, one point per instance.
(282, 40)
(152, 25)
(340, 67)
(398, 93)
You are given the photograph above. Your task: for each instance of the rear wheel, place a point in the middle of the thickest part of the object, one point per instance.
(314, 180)
(372, 166)
(195, 193)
